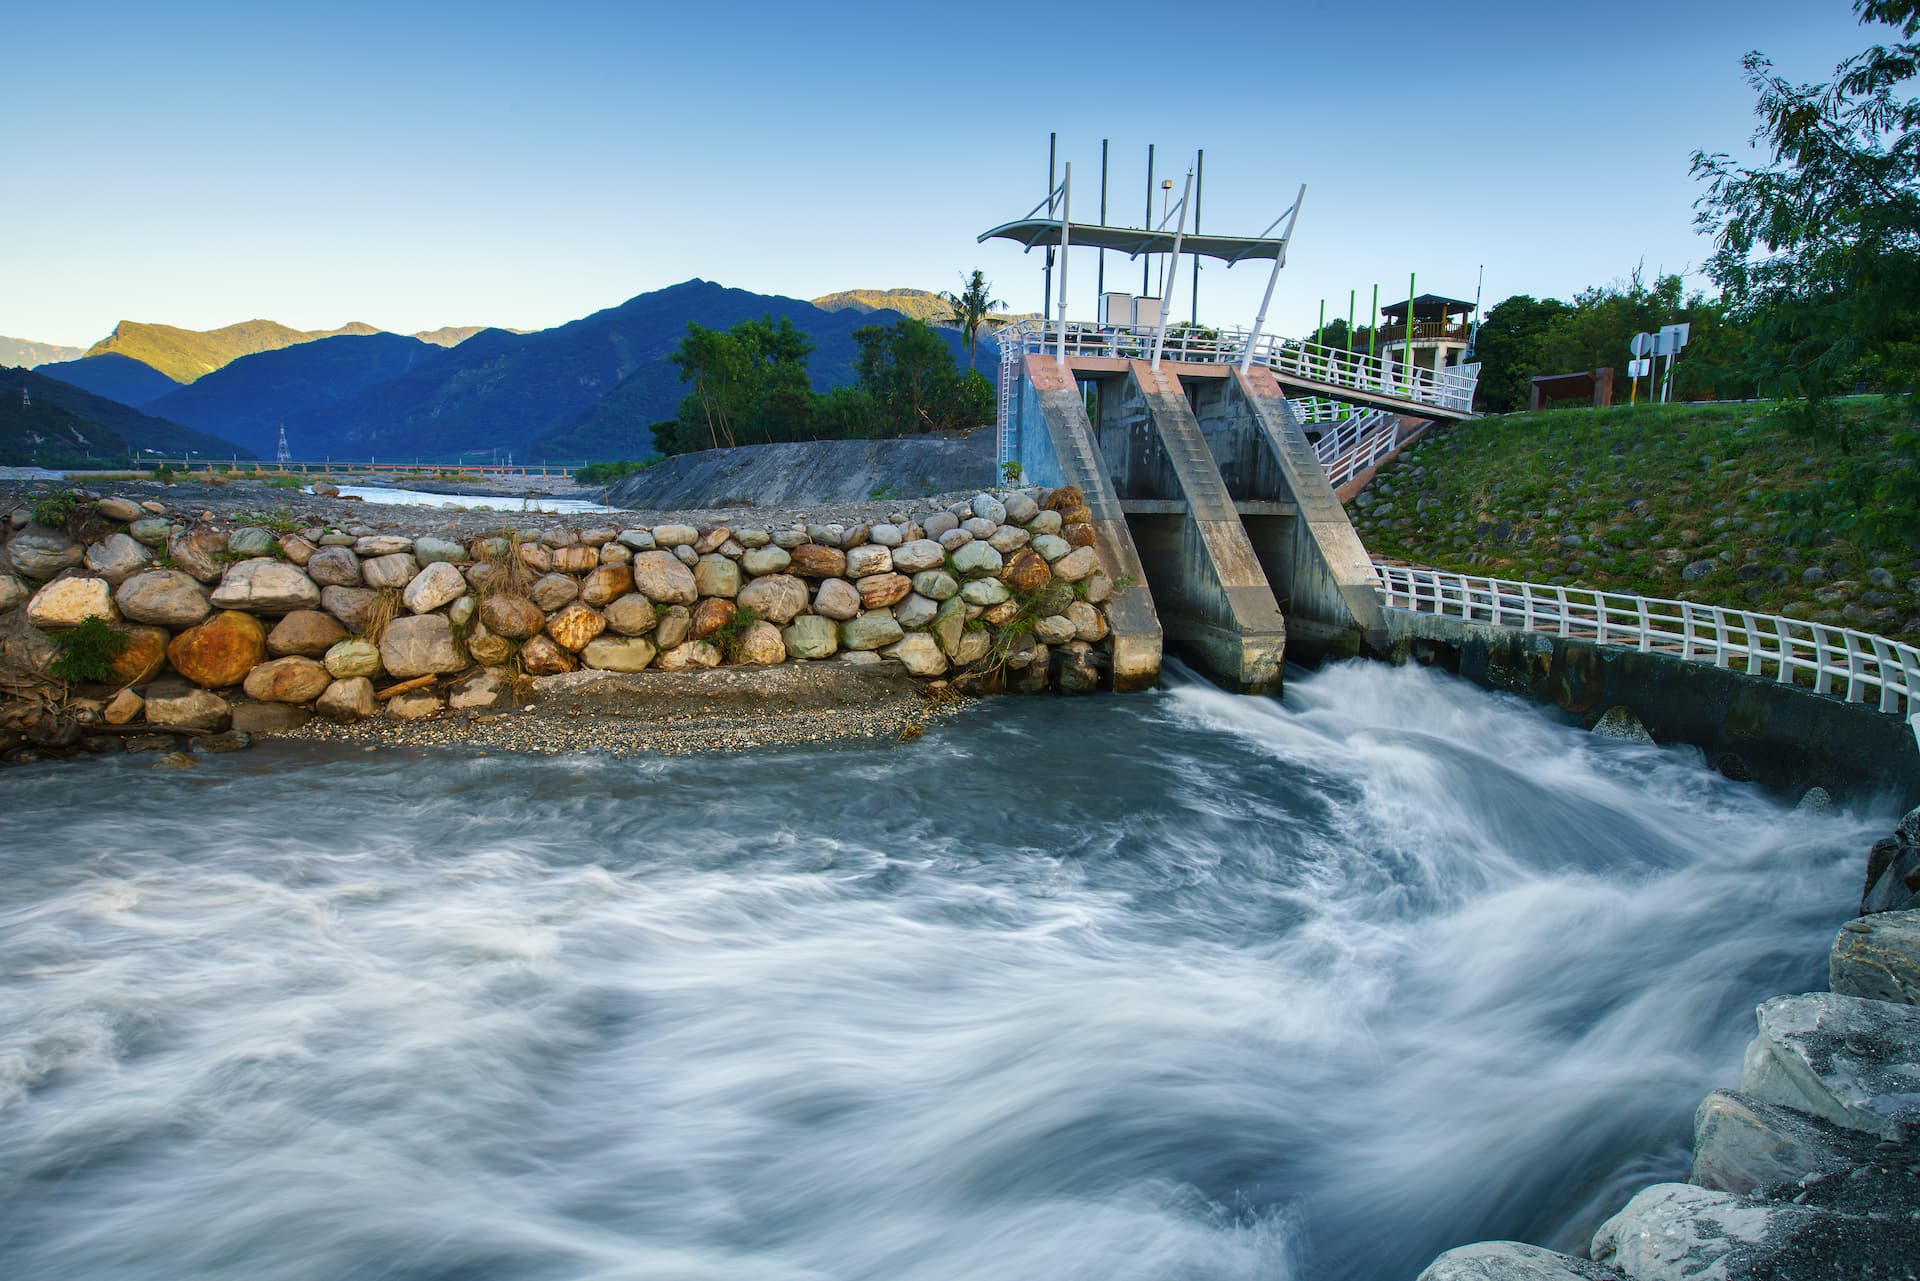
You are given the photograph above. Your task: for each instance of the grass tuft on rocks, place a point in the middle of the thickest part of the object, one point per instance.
(87, 651)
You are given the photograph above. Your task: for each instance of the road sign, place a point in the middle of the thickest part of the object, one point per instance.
(1678, 332)
(1640, 344)
(1639, 368)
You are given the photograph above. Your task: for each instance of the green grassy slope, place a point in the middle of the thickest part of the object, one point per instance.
(185, 354)
(1683, 502)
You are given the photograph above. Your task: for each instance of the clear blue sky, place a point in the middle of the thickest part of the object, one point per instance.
(416, 165)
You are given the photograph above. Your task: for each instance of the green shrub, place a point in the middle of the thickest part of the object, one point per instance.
(727, 637)
(56, 509)
(88, 650)
(608, 473)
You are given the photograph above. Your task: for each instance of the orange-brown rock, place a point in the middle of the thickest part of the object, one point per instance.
(536, 558)
(306, 632)
(1080, 515)
(123, 707)
(710, 615)
(514, 617)
(142, 658)
(1026, 571)
(541, 657)
(877, 591)
(288, 680)
(606, 584)
(711, 540)
(1079, 534)
(1064, 498)
(221, 651)
(577, 559)
(1002, 614)
(811, 560)
(575, 625)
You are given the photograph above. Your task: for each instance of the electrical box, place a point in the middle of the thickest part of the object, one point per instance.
(1146, 313)
(1116, 309)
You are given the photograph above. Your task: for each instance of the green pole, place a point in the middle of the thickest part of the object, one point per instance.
(1320, 334)
(1411, 278)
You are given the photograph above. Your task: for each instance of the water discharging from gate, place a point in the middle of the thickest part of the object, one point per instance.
(1182, 985)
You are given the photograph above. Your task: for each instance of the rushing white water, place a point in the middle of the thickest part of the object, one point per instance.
(399, 496)
(1171, 986)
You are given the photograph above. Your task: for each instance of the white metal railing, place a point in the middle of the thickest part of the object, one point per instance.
(1835, 661)
(1448, 389)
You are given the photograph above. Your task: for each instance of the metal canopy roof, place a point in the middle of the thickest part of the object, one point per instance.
(1035, 232)
(1427, 307)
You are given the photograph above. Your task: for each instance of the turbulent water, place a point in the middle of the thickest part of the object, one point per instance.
(403, 497)
(1160, 987)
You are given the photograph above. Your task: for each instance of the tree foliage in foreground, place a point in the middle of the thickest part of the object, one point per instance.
(748, 385)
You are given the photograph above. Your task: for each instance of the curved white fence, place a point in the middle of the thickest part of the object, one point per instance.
(1837, 661)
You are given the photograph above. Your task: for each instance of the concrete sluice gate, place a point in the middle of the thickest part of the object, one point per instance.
(1210, 510)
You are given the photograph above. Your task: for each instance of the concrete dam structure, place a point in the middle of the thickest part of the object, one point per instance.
(1208, 496)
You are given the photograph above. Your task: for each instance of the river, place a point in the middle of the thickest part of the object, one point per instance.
(1172, 986)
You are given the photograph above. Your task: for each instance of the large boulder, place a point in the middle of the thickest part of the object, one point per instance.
(1512, 1261)
(715, 575)
(919, 555)
(575, 625)
(576, 559)
(143, 656)
(630, 615)
(420, 645)
(811, 636)
(811, 560)
(351, 605)
(977, 558)
(618, 653)
(877, 591)
(200, 551)
(1026, 572)
(689, 656)
(541, 657)
(606, 584)
(514, 617)
(1845, 1059)
(837, 599)
(710, 615)
(873, 630)
(430, 549)
(334, 567)
(1741, 1144)
(308, 633)
(163, 597)
(13, 592)
(675, 622)
(68, 602)
(178, 704)
(39, 552)
(760, 645)
(553, 591)
(116, 557)
(395, 569)
(220, 652)
(778, 598)
(919, 653)
(347, 700)
(288, 680)
(766, 560)
(437, 584)
(868, 559)
(1878, 957)
(353, 657)
(660, 577)
(266, 586)
(485, 648)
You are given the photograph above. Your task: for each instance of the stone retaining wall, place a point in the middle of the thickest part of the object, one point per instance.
(237, 625)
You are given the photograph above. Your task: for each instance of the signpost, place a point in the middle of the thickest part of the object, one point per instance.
(1639, 345)
(1647, 350)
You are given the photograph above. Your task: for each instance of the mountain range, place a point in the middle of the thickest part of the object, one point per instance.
(54, 424)
(26, 353)
(591, 388)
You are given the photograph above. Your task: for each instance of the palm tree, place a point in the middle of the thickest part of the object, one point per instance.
(970, 308)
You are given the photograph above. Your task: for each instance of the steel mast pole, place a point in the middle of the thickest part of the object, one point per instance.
(1173, 276)
(1199, 182)
(1279, 261)
(1046, 290)
(1146, 260)
(1101, 287)
(1066, 212)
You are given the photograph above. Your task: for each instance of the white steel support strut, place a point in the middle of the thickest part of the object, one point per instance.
(1173, 273)
(1066, 213)
(1279, 261)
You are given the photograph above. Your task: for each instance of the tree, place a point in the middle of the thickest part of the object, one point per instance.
(1818, 248)
(908, 372)
(971, 307)
(1507, 350)
(749, 386)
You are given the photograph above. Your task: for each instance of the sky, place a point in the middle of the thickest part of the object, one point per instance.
(523, 165)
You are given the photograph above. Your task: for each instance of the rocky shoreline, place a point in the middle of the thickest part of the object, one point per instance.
(230, 623)
(1811, 1167)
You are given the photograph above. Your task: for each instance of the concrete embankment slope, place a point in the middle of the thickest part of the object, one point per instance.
(813, 471)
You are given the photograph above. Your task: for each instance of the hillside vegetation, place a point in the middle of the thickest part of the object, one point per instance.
(60, 425)
(1723, 504)
(918, 304)
(185, 354)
